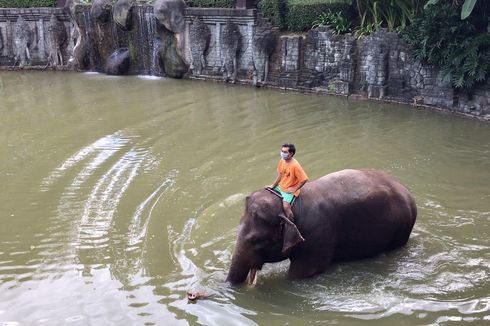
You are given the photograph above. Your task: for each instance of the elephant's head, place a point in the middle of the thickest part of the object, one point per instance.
(264, 235)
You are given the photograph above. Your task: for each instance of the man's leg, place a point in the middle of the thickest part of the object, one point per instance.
(288, 211)
(289, 214)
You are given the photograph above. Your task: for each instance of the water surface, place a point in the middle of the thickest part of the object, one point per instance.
(118, 194)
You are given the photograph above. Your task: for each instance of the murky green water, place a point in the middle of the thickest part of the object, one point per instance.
(118, 194)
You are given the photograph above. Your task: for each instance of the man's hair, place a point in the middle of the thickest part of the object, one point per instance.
(291, 148)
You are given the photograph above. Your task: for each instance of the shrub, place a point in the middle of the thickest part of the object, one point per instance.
(460, 48)
(27, 3)
(274, 10)
(211, 3)
(393, 14)
(301, 14)
(337, 23)
(366, 29)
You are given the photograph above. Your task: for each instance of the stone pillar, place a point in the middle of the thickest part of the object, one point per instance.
(42, 40)
(9, 49)
(2, 45)
(219, 59)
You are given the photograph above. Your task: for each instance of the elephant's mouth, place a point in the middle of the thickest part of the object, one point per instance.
(252, 276)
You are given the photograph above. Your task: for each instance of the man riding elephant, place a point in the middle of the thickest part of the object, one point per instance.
(345, 215)
(291, 177)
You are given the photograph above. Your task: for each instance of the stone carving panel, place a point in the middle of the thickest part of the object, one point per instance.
(23, 37)
(200, 36)
(330, 60)
(56, 41)
(376, 67)
(230, 41)
(264, 42)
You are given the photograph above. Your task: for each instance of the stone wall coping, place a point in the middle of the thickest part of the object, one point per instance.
(208, 15)
(8, 14)
(231, 12)
(220, 19)
(228, 12)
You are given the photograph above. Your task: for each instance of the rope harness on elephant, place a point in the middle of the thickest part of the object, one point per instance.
(281, 198)
(273, 192)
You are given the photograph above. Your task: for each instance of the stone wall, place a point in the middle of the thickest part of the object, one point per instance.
(236, 44)
(35, 36)
(233, 45)
(378, 66)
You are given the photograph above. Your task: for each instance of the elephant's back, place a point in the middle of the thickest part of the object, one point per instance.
(346, 186)
(368, 211)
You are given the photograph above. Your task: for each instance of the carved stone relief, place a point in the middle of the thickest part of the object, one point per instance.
(230, 42)
(200, 36)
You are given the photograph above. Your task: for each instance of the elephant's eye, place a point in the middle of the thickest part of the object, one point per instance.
(258, 240)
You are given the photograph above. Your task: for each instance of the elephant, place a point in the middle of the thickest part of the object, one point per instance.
(343, 216)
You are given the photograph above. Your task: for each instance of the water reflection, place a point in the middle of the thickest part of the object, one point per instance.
(120, 194)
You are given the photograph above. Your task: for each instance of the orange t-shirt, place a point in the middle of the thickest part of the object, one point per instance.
(291, 173)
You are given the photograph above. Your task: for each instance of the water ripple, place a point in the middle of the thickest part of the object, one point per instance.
(139, 224)
(104, 198)
(105, 147)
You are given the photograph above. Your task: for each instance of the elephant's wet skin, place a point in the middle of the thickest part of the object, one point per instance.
(346, 215)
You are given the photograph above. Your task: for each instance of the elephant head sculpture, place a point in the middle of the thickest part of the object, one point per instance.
(346, 215)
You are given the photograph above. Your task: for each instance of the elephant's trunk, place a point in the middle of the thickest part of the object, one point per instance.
(238, 270)
(237, 275)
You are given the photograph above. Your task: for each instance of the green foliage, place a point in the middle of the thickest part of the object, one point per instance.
(460, 48)
(274, 10)
(467, 8)
(366, 30)
(393, 14)
(27, 3)
(337, 23)
(301, 14)
(211, 3)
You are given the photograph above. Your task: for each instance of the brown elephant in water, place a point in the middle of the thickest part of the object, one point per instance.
(345, 215)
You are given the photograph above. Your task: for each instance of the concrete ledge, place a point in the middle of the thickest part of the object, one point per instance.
(32, 14)
(229, 12)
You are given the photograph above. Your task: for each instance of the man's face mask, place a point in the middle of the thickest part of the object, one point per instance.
(284, 155)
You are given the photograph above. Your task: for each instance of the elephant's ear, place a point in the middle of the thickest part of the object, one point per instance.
(291, 234)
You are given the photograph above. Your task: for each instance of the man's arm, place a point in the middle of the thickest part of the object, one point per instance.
(276, 182)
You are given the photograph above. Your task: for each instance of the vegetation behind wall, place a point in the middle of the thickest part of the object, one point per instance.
(461, 48)
(211, 3)
(274, 10)
(299, 15)
(27, 3)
